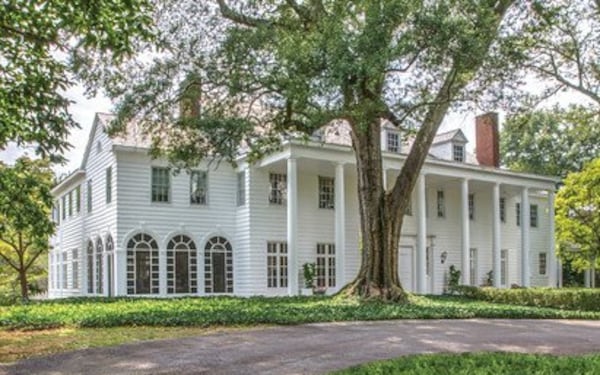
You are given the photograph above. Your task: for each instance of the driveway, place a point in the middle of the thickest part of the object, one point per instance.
(319, 348)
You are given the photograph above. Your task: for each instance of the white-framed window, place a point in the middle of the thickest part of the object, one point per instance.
(533, 215)
(393, 141)
(142, 265)
(199, 187)
(241, 188)
(458, 153)
(503, 209)
(325, 266)
(64, 207)
(108, 185)
(161, 184)
(441, 204)
(503, 267)
(218, 266)
(78, 199)
(542, 263)
(471, 206)
(473, 267)
(75, 268)
(182, 265)
(99, 266)
(65, 269)
(56, 212)
(326, 192)
(89, 196)
(70, 197)
(277, 188)
(277, 265)
(90, 267)
(518, 213)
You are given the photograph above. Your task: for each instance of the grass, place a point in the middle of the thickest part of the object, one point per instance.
(480, 363)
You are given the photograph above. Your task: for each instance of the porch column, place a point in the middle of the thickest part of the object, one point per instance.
(340, 226)
(553, 269)
(292, 226)
(525, 223)
(496, 235)
(464, 215)
(421, 236)
(120, 272)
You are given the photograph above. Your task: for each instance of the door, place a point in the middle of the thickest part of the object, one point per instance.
(218, 281)
(405, 267)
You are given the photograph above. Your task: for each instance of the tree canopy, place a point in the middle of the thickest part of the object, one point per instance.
(43, 45)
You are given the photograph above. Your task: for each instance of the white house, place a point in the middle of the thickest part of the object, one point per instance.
(128, 226)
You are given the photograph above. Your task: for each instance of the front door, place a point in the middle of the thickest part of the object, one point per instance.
(218, 263)
(405, 265)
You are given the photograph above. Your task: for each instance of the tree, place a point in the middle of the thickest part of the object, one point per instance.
(42, 44)
(551, 142)
(260, 71)
(578, 218)
(25, 223)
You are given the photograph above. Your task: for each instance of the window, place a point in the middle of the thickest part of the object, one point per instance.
(542, 264)
(503, 267)
(70, 203)
(160, 184)
(90, 267)
(441, 206)
(277, 265)
(503, 209)
(533, 215)
(471, 206)
(277, 188)
(473, 267)
(458, 153)
(326, 192)
(325, 267)
(218, 266)
(142, 265)
(89, 196)
(99, 267)
(518, 213)
(78, 199)
(182, 265)
(241, 188)
(393, 142)
(65, 270)
(56, 212)
(108, 185)
(64, 207)
(75, 268)
(199, 187)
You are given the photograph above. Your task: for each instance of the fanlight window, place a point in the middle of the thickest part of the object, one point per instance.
(142, 265)
(218, 266)
(182, 265)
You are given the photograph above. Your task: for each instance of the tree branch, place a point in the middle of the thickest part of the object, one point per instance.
(33, 259)
(9, 262)
(239, 18)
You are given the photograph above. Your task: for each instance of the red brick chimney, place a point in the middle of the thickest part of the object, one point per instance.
(487, 139)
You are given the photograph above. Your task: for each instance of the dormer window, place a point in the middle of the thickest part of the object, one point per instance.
(393, 142)
(458, 153)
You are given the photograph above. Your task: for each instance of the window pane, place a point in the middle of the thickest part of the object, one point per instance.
(441, 205)
(277, 188)
(182, 275)
(198, 187)
(326, 192)
(160, 184)
(142, 272)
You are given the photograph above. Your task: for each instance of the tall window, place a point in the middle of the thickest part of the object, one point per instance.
(64, 207)
(471, 206)
(99, 267)
(218, 266)
(89, 196)
(542, 264)
(70, 203)
(182, 265)
(90, 267)
(56, 212)
(161, 184)
(142, 265)
(277, 265)
(241, 188)
(458, 153)
(199, 187)
(78, 199)
(75, 268)
(473, 266)
(325, 267)
(326, 192)
(503, 267)
(65, 269)
(503, 209)
(441, 205)
(518, 213)
(393, 142)
(108, 185)
(277, 188)
(533, 215)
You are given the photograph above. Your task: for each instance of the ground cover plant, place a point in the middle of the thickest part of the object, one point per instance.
(234, 311)
(480, 363)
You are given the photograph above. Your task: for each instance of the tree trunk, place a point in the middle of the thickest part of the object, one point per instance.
(24, 285)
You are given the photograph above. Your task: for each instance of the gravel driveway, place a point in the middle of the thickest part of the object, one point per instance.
(319, 348)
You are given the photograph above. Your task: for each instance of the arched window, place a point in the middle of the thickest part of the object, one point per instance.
(90, 267)
(218, 265)
(99, 268)
(142, 265)
(182, 269)
(110, 246)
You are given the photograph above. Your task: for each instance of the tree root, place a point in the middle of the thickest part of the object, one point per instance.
(360, 288)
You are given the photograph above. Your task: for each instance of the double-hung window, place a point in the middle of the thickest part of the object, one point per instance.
(199, 187)
(533, 215)
(277, 265)
(458, 153)
(503, 209)
(325, 267)
(326, 192)
(441, 205)
(161, 184)
(518, 213)
(393, 142)
(277, 188)
(542, 263)
(241, 188)
(471, 206)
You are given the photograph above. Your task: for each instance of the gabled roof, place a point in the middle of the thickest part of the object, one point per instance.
(100, 119)
(455, 135)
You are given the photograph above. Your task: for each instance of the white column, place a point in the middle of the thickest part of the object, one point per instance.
(120, 272)
(340, 226)
(552, 264)
(464, 215)
(385, 179)
(496, 245)
(292, 226)
(105, 274)
(525, 223)
(421, 237)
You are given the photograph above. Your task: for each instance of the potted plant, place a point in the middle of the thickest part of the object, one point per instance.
(308, 271)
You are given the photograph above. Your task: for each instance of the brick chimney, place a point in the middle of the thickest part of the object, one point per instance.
(487, 140)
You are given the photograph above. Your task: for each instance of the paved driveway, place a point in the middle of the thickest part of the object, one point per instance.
(318, 348)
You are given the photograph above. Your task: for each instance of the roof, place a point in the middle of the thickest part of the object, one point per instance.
(455, 135)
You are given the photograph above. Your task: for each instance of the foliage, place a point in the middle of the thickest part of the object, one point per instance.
(551, 142)
(480, 363)
(453, 279)
(308, 271)
(565, 298)
(230, 311)
(25, 224)
(42, 44)
(578, 218)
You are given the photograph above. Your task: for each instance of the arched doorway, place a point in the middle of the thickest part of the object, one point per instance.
(142, 265)
(218, 266)
(182, 268)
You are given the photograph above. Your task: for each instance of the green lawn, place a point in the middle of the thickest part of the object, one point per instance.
(480, 363)
(232, 311)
